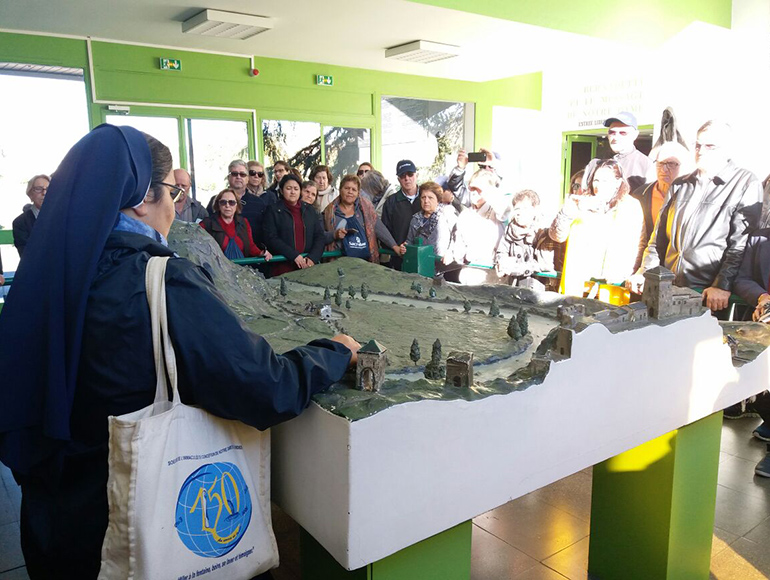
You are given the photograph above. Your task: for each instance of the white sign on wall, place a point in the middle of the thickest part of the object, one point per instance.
(592, 103)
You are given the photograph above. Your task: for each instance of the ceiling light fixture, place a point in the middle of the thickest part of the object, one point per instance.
(422, 51)
(226, 24)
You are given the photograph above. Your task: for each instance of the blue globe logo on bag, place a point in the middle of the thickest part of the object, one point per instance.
(213, 510)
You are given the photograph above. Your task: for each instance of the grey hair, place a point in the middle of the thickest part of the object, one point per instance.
(236, 163)
(374, 183)
(31, 182)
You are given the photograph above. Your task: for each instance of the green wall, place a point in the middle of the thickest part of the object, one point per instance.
(644, 21)
(283, 89)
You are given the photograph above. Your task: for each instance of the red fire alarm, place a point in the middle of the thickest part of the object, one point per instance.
(254, 72)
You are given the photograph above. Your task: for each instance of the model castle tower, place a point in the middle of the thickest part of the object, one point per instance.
(370, 370)
(664, 300)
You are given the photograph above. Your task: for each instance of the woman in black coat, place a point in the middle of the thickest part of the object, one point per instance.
(291, 228)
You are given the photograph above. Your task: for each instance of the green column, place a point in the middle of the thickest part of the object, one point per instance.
(652, 508)
(445, 556)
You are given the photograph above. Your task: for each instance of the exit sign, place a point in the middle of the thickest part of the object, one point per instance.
(324, 80)
(170, 64)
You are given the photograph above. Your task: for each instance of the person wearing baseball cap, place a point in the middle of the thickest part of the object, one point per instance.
(622, 131)
(399, 208)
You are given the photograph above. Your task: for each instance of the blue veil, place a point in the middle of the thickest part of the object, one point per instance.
(42, 320)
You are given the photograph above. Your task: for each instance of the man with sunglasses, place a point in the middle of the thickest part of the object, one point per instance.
(456, 180)
(622, 132)
(398, 209)
(186, 208)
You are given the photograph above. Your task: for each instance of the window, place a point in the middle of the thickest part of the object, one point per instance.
(164, 129)
(213, 144)
(427, 132)
(207, 149)
(305, 145)
(36, 132)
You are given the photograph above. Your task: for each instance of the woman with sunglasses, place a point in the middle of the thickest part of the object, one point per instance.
(257, 182)
(109, 212)
(22, 225)
(230, 230)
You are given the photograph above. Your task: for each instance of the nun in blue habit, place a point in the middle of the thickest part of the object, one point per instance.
(78, 345)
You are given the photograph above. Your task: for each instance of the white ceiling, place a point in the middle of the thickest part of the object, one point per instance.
(342, 32)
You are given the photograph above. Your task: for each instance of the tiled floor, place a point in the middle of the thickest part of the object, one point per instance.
(543, 535)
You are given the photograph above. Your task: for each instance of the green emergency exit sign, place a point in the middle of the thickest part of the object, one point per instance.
(170, 64)
(324, 80)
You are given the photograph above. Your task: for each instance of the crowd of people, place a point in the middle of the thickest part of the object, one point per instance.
(699, 215)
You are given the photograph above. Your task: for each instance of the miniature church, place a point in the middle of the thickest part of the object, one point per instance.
(370, 371)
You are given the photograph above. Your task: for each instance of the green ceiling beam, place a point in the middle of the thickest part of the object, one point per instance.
(645, 22)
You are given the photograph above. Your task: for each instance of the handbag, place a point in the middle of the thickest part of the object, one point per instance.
(355, 244)
(188, 492)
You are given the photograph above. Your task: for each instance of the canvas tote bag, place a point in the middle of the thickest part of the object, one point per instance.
(189, 493)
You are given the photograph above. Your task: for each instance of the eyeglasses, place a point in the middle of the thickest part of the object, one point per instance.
(574, 186)
(706, 146)
(406, 174)
(176, 192)
(667, 164)
(362, 172)
(230, 202)
(252, 172)
(39, 189)
(238, 174)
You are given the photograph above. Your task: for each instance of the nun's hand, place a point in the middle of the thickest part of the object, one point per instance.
(2, 280)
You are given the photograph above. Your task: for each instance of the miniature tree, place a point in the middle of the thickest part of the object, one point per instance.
(339, 288)
(351, 291)
(466, 306)
(514, 330)
(338, 299)
(432, 292)
(340, 272)
(327, 294)
(284, 291)
(347, 303)
(414, 351)
(523, 319)
(418, 287)
(494, 309)
(435, 355)
(364, 290)
(435, 369)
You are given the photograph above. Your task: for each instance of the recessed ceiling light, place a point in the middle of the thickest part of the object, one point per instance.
(226, 24)
(422, 51)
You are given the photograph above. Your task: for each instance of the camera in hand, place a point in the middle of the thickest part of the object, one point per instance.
(477, 157)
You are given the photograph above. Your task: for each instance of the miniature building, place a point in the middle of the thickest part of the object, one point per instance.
(370, 370)
(459, 368)
(540, 364)
(325, 312)
(563, 346)
(663, 300)
(569, 313)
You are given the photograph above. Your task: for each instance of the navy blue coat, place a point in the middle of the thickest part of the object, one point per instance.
(753, 278)
(22, 229)
(223, 368)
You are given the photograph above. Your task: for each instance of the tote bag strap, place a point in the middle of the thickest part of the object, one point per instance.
(163, 350)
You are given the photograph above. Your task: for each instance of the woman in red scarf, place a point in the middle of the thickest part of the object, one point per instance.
(229, 229)
(292, 228)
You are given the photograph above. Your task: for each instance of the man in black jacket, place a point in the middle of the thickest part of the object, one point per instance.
(253, 207)
(702, 229)
(399, 208)
(22, 225)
